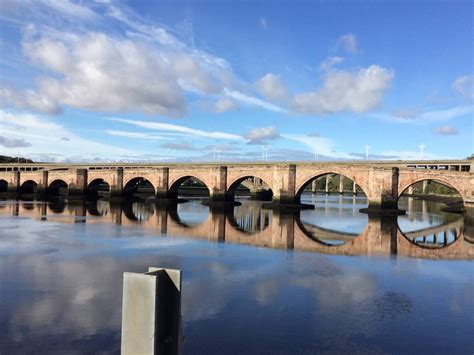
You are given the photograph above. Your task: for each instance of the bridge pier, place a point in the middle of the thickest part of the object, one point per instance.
(14, 184)
(284, 184)
(42, 187)
(469, 214)
(116, 190)
(383, 199)
(77, 189)
(326, 186)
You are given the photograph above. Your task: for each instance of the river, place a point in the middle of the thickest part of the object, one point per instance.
(254, 281)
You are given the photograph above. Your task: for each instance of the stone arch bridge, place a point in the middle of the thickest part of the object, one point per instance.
(382, 182)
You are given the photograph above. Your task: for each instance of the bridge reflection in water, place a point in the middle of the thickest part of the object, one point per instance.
(334, 227)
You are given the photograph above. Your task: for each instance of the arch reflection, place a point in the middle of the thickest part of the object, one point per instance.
(331, 233)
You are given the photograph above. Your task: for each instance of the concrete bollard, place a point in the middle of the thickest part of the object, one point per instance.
(151, 312)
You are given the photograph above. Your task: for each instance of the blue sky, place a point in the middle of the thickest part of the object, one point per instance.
(236, 80)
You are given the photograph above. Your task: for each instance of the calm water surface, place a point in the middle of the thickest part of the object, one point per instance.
(254, 281)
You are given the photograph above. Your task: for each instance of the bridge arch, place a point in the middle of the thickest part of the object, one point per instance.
(404, 188)
(58, 188)
(200, 187)
(28, 187)
(3, 186)
(97, 188)
(303, 185)
(138, 187)
(234, 184)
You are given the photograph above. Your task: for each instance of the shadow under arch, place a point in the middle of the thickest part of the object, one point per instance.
(97, 188)
(58, 188)
(138, 187)
(3, 186)
(28, 187)
(331, 186)
(188, 186)
(258, 188)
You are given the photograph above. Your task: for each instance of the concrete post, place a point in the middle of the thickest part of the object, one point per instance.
(354, 188)
(341, 184)
(314, 186)
(117, 188)
(79, 187)
(151, 312)
(162, 182)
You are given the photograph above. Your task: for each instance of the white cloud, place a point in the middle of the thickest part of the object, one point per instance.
(178, 146)
(223, 105)
(44, 138)
(330, 62)
(261, 135)
(137, 135)
(263, 23)
(253, 101)
(446, 130)
(464, 85)
(428, 116)
(348, 43)
(320, 145)
(69, 8)
(13, 143)
(359, 91)
(29, 100)
(271, 87)
(146, 69)
(103, 74)
(178, 129)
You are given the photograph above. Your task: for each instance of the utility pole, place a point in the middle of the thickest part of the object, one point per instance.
(316, 156)
(422, 148)
(367, 152)
(264, 153)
